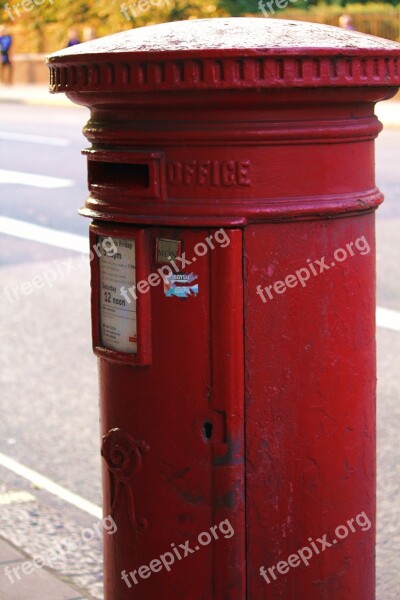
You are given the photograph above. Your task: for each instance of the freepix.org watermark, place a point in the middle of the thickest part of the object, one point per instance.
(316, 547)
(179, 264)
(140, 7)
(59, 269)
(268, 7)
(166, 560)
(313, 269)
(14, 10)
(48, 557)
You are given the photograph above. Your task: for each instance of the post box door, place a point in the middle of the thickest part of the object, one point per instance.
(178, 421)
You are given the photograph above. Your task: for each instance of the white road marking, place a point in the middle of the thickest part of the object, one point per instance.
(50, 486)
(44, 235)
(33, 180)
(10, 136)
(16, 498)
(388, 319)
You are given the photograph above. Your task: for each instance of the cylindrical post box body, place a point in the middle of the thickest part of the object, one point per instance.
(232, 192)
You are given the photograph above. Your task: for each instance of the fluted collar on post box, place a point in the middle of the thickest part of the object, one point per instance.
(226, 54)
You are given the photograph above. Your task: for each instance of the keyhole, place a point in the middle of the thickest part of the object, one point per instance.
(207, 430)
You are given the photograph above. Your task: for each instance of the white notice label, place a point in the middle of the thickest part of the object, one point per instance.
(118, 320)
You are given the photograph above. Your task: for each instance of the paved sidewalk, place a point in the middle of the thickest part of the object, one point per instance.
(39, 585)
(389, 112)
(32, 94)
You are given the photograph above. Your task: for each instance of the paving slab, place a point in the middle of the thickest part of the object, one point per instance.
(8, 554)
(38, 585)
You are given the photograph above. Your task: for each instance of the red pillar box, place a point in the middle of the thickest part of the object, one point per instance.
(232, 164)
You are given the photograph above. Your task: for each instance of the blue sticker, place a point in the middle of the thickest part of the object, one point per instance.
(179, 285)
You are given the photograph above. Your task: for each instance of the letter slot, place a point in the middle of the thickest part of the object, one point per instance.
(133, 175)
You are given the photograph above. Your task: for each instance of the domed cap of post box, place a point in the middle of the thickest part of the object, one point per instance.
(224, 54)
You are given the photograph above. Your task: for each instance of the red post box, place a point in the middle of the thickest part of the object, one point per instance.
(232, 164)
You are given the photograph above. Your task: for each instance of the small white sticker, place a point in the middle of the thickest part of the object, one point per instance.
(118, 317)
